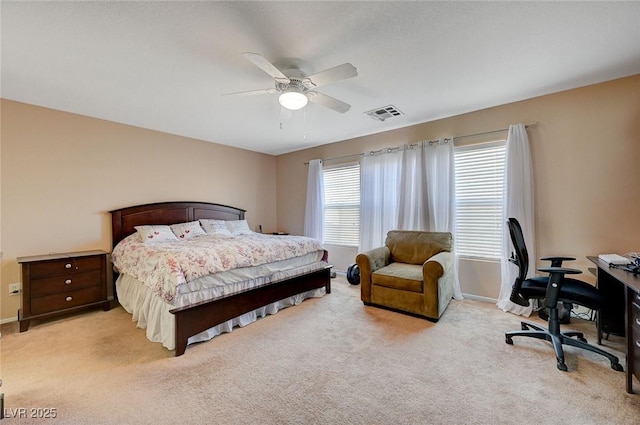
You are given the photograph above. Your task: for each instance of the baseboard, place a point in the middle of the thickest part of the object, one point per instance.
(9, 320)
(480, 298)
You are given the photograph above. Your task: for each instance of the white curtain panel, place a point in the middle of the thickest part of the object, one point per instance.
(518, 202)
(441, 190)
(413, 210)
(440, 185)
(379, 196)
(314, 207)
(427, 187)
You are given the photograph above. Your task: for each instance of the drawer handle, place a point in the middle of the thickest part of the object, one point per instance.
(68, 298)
(638, 343)
(67, 282)
(637, 321)
(67, 266)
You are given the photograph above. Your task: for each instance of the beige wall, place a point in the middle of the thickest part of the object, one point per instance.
(585, 153)
(62, 173)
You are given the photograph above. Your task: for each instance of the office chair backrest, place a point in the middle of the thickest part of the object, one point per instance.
(522, 255)
(521, 260)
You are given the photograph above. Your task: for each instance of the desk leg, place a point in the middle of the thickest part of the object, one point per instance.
(611, 319)
(599, 326)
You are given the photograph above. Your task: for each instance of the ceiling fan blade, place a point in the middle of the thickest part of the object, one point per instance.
(252, 92)
(328, 101)
(259, 61)
(337, 73)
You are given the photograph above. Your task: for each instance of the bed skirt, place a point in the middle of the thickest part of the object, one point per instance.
(152, 314)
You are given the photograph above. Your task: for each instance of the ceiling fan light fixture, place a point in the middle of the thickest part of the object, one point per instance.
(293, 100)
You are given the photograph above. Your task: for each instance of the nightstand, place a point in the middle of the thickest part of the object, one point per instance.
(62, 283)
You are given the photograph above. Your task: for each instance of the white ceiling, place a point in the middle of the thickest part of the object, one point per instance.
(165, 65)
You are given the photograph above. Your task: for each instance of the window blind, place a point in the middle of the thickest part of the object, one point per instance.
(479, 175)
(342, 205)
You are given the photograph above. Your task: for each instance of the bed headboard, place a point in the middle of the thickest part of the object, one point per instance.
(124, 220)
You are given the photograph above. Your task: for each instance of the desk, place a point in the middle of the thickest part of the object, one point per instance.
(621, 313)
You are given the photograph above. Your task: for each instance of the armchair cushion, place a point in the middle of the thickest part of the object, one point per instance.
(406, 277)
(416, 247)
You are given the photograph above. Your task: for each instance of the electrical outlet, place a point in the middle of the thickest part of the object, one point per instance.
(15, 288)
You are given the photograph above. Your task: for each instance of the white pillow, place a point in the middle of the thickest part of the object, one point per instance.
(154, 234)
(239, 227)
(215, 227)
(187, 230)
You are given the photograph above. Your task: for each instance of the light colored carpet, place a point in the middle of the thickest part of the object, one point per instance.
(327, 361)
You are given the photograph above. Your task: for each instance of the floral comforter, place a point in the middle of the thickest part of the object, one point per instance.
(164, 266)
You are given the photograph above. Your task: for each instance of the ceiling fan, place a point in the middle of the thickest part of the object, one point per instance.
(297, 89)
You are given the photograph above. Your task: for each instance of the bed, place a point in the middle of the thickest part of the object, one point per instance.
(202, 320)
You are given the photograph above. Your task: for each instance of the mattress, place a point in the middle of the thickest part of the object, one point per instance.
(165, 267)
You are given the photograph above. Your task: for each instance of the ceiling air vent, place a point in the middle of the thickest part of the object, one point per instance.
(383, 113)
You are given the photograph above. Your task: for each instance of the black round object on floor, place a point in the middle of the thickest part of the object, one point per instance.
(353, 274)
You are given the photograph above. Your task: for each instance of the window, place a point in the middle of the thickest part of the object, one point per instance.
(342, 204)
(479, 192)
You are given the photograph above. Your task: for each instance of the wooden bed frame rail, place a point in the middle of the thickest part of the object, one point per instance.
(196, 318)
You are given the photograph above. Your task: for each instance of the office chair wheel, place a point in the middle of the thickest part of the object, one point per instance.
(616, 366)
(583, 339)
(563, 367)
(509, 341)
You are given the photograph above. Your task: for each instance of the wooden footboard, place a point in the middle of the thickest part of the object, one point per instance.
(196, 318)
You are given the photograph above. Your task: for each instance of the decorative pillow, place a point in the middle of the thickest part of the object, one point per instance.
(215, 227)
(239, 227)
(153, 234)
(187, 230)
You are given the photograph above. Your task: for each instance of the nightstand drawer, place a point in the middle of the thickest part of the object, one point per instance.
(65, 266)
(49, 303)
(65, 283)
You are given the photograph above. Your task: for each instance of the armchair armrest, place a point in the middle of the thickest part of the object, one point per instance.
(368, 262)
(437, 275)
(374, 259)
(436, 267)
(444, 258)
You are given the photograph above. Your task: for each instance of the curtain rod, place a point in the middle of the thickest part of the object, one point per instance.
(454, 138)
(339, 157)
(492, 131)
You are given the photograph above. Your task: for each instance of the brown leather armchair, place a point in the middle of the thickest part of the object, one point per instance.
(413, 273)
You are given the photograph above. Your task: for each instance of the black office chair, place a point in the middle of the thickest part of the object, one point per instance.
(553, 289)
